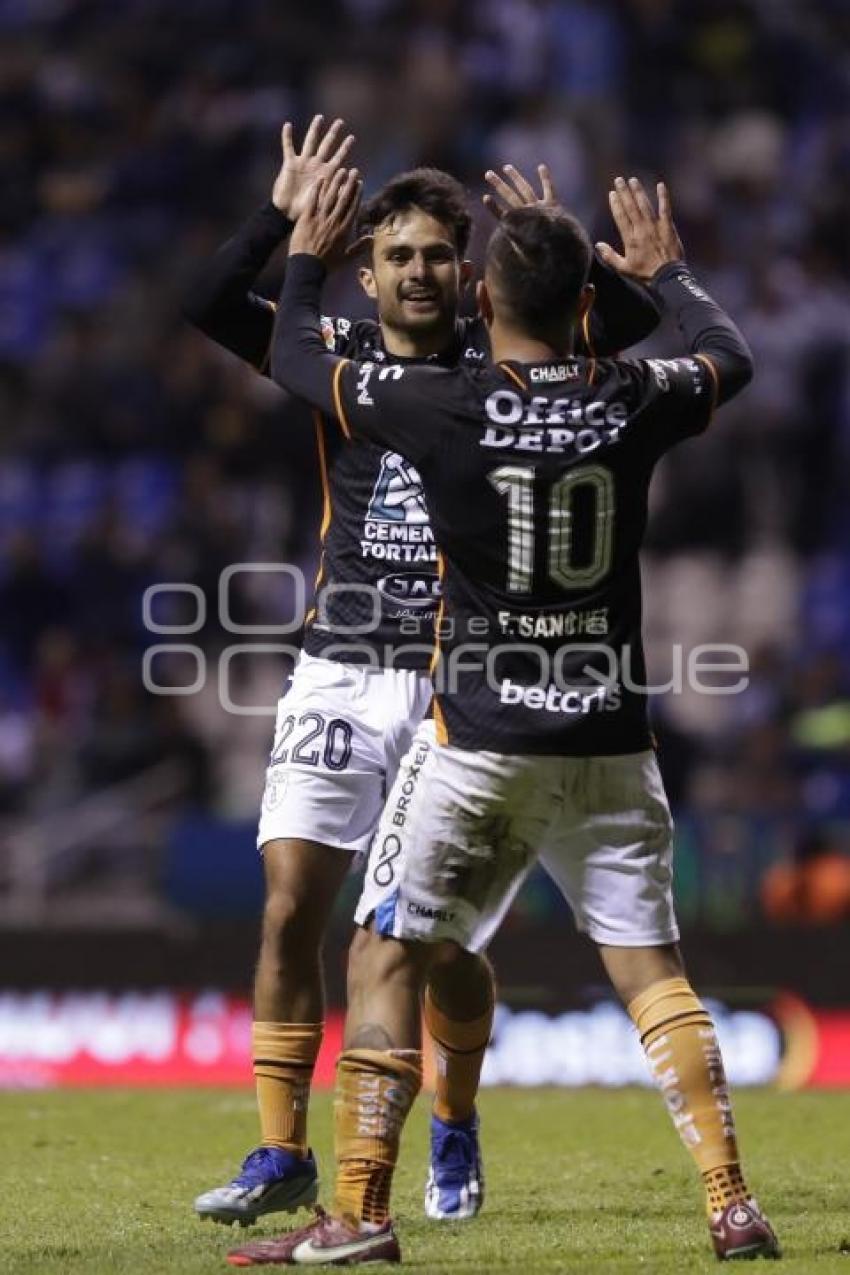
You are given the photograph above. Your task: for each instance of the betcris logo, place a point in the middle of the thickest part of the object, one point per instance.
(552, 699)
(410, 589)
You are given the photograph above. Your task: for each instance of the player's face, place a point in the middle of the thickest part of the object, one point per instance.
(416, 276)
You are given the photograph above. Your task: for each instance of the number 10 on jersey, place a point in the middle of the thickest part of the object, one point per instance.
(516, 484)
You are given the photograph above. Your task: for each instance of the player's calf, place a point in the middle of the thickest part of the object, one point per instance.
(302, 881)
(682, 1049)
(375, 1089)
(455, 1187)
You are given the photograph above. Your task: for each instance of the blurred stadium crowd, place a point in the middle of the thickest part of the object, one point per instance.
(136, 134)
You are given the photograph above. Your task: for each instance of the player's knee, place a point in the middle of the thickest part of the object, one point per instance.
(461, 983)
(302, 882)
(374, 961)
(370, 959)
(633, 970)
(291, 929)
(361, 965)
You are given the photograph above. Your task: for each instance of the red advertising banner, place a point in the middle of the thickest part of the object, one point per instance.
(169, 1038)
(817, 1046)
(144, 1038)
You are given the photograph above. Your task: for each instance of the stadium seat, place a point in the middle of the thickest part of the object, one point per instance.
(73, 495)
(145, 490)
(20, 496)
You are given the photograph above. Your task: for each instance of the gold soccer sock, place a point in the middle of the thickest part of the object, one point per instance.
(284, 1058)
(460, 1049)
(375, 1090)
(680, 1042)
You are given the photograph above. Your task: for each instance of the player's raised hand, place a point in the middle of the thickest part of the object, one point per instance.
(325, 222)
(320, 156)
(650, 239)
(515, 191)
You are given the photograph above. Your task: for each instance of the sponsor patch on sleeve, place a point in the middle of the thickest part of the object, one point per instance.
(328, 332)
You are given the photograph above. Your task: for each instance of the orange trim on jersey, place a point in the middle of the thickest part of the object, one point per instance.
(440, 723)
(585, 331)
(337, 393)
(319, 422)
(515, 377)
(588, 343)
(436, 653)
(327, 509)
(439, 720)
(265, 363)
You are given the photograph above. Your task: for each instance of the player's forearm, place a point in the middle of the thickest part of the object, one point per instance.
(623, 312)
(706, 327)
(300, 360)
(220, 301)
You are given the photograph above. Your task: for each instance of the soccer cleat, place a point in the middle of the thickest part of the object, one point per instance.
(270, 1181)
(742, 1232)
(326, 1241)
(455, 1187)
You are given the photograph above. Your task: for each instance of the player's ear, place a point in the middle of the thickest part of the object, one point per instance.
(485, 304)
(367, 282)
(467, 270)
(586, 300)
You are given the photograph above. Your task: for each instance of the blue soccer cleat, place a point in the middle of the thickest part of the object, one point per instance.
(455, 1188)
(270, 1181)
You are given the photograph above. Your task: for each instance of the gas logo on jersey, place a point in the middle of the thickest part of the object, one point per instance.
(411, 590)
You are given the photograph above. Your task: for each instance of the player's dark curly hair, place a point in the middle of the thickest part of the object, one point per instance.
(540, 259)
(435, 192)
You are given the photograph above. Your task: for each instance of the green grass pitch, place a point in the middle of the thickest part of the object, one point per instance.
(577, 1182)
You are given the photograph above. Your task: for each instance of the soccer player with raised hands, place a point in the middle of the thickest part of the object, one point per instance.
(361, 684)
(536, 470)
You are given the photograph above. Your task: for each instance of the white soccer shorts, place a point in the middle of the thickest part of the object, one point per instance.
(341, 732)
(461, 831)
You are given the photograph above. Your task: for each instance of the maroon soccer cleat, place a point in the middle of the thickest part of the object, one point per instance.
(742, 1232)
(326, 1241)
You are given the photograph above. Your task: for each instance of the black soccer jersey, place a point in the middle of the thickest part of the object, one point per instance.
(377, 590)
(536, 477)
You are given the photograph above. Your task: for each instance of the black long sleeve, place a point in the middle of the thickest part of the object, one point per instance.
(706, 327)
(623, 312)
(300, 360)
(221, 301)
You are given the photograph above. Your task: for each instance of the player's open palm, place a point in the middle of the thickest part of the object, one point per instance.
(319, 157)
(650, 240)
(516, 191)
